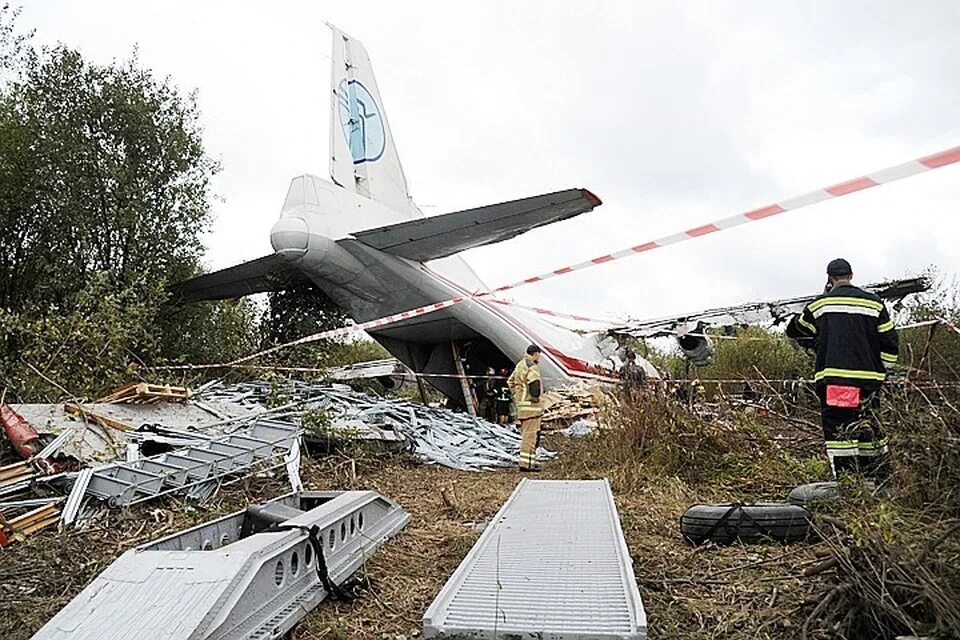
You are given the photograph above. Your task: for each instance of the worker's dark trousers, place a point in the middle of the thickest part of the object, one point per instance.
(854, 437)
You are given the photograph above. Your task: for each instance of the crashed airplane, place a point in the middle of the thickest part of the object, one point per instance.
(362, 240)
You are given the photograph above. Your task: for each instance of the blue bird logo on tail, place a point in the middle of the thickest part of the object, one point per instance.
(362, 122)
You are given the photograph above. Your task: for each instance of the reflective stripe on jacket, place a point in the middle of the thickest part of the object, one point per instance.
(855, 337)
(526, 372)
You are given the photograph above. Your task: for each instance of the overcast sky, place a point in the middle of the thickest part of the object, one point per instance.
(673, 113)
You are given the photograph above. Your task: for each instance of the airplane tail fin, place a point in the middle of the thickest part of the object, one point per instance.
(363, 157)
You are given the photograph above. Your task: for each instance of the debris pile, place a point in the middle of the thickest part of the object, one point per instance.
(144, 441)
(568, 404)
(433, 434)
(139, 442)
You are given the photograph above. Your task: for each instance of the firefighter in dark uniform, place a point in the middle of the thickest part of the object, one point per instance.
(855, 343)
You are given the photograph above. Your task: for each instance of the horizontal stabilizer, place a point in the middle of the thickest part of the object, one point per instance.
(441, 236)
(269, 273)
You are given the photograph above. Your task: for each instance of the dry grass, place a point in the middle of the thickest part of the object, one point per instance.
(659, 459)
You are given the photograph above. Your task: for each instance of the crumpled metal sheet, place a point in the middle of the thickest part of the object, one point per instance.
(769, 313)
(435, 435)
(92, 444)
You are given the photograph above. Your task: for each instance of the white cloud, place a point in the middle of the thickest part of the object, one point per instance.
(674, 114)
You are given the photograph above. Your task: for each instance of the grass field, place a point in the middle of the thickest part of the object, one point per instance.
(659, 459)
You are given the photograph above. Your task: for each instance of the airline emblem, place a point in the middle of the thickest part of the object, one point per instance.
(361, 121)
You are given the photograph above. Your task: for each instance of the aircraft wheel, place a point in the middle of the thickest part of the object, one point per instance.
(728, 523)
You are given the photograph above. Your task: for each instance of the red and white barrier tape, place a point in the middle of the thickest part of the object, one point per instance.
(949, 325)
(883, 176)
(325, 335)
(874, 179)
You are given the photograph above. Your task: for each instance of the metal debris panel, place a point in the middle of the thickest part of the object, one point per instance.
(250, 575)
(552, 565)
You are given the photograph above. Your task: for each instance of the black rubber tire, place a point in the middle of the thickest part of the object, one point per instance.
(727, 523)
(814, 492)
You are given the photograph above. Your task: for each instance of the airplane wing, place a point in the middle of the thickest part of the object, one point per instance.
(756, 313)
(440, 236)
(269, 273)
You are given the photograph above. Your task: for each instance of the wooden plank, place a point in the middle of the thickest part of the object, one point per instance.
(101, 420)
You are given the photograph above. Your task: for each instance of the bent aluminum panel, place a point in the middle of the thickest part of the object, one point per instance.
(256, 587)
(552, 565)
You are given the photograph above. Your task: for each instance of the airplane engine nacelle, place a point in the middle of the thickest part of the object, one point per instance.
(696, 348)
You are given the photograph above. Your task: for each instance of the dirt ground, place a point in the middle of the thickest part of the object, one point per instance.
(756, 591)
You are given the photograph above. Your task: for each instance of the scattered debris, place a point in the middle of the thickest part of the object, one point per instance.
(265, 443)
(91, 440)
(252, 574)
(386, 368)
(814, 492)
(144, 393)
(75, 500)
(28, 523)
(19, 432)
(106, 422)
(569, 403)
(435, 435)
(580, 428)
(767, 313)
(16, 477)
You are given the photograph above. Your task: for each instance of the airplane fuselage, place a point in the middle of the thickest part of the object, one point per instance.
(314, 233)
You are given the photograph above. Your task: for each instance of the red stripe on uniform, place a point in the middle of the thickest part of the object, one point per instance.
(850, 186)
(763, 212)
(602, 259)
(941, 159)
(702, 231)
(644, 247)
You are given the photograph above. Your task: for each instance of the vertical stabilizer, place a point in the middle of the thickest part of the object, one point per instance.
(363, 157)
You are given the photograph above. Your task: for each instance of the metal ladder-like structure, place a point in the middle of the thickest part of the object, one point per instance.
(553, 563)
(124, 483)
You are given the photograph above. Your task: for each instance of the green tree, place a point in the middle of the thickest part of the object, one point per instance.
(755, 353)
(933, 351)
(298, 312)
(105, 192)
(305, 310)
(103, 171)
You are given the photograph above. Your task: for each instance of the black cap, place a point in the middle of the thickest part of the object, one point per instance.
(838, 268)
(532, 349)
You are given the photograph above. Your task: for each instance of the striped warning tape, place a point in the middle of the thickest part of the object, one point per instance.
(883, 176)
(325, 335)
(874, 179)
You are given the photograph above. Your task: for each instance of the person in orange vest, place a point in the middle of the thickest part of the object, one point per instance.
(527, 388)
